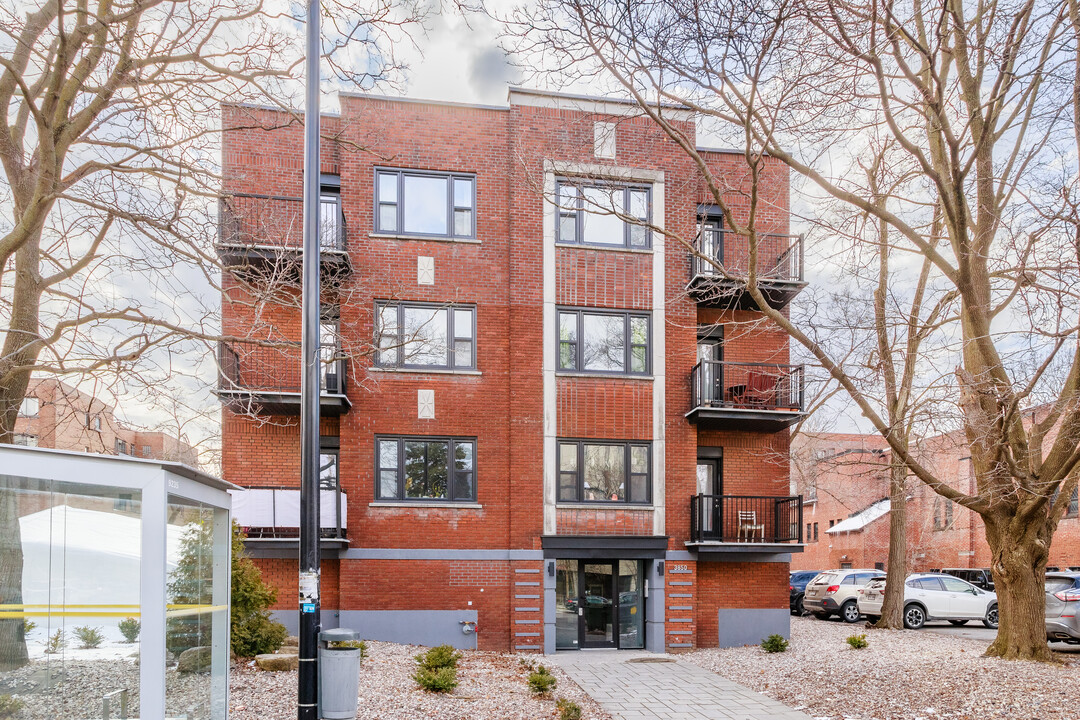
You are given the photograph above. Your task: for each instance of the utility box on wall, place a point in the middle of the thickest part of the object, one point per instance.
(115, 562)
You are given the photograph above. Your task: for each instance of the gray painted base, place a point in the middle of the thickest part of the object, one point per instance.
(409, 627)
(751, 626)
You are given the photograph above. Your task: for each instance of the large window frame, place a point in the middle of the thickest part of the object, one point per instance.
(571, 471)
(574, 347)
(455, 333)
(454, 475)
(572, 211)
(390, 200)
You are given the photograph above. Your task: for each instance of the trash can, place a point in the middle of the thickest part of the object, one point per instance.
(339, 674)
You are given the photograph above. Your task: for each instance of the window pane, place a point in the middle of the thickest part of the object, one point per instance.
(388, 484)
(638, 362)
(388, 454)
(425, 205)
(639, 488)
(463, 486)
(328, 474)
(463, 354)
(568, 457)
(567, 327)
(424, 338)
(604, 346)
(605, 472)
(638, 236)
(568, 487)
(437, 470)
(463, 193)
(388, 217)
(568, 198)
(415, 469)
(639, 459)
(955, 585)
(388, 335)
(463, 456)
(568, 228)
(463, 322)
(388, 187)
(601, 227)
(462, 223)
(328, 221)
(567, 356)
(639, 204)
(639, 331)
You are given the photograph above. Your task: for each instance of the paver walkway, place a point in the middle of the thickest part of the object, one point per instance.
(635, 685)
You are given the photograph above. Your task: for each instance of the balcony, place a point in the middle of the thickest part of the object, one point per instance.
(267, 231)
(746, 396)
(264, 377)
(746, 523)
(779, 276)
(270, 517)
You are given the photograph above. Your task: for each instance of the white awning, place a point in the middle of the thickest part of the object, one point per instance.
(857, 521)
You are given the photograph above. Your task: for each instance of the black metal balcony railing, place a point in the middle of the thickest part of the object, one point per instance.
(254, 367)
(251, 220)
(780, 257)
(746, 519)
(754, 386)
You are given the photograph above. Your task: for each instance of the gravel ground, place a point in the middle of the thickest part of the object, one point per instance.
(492, 687)
(902, 675)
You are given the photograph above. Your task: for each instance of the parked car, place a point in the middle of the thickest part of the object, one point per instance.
(933, 596)
(835, 592)
(1063, 607)
(979, 577)
(797, 586)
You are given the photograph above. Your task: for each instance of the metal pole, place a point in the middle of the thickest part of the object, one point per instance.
(308, 684)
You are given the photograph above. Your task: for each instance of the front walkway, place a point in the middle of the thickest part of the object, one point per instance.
(636, 685)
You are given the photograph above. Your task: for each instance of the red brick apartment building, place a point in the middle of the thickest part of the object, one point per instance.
(544, 426)
(845, 483)
(55, 415)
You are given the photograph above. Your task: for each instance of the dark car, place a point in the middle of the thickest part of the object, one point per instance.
(797, 586)
(979, 577)
(1063, 607)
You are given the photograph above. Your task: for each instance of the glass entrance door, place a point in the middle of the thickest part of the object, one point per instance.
(598, 604)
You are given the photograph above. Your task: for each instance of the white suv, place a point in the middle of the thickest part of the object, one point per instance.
(835, 592)
(934, 596)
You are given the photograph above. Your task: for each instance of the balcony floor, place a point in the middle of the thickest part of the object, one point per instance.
(720, 417)
(256, 257)
(282, 403)
(769, 548)
(712, 291)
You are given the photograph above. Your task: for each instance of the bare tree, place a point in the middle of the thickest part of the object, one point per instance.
(978, 106)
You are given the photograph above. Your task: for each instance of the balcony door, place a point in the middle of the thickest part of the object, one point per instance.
(712, 244)
(710, 351)
(710, 483)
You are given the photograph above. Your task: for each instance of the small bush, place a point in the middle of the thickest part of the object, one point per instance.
(774, 644)
(90, 637)
(439, 657)
(349, 645)
(28, 626)
(568, 709)
(256, 635)
(9, 706)
(858, 642)
(527, 664)
(541, 682)
(56, 643)
(440, 680)
(130, 628)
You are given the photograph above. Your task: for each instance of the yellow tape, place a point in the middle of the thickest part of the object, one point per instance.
(177, 610)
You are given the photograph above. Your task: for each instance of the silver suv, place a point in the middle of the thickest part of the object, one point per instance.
(836, 592)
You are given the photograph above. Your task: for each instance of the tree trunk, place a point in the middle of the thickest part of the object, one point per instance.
(892, 609)
(12, 638)
(1019, 558)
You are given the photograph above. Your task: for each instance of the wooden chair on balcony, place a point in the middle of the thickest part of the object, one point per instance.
(749, 526)
(760, 389)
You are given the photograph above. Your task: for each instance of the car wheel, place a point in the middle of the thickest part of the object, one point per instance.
(849, 611)
(914, 617)
(959, 622)
(821, 616)
(800, 609)
(991, 619)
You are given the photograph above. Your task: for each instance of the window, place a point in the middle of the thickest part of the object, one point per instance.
(943, 513)
(815, 532)
(592, 214)
(29, 407)
(604, 342)
(146, 451)
(596, 471)
(426, 469)
(331, 224)
(956, 585)
(425, 203)
(1074, 504)
(809, 535)
(121, 447)
(426, 336)
(24, 440)
(328, 469)
(927, 583)
(831, 523)
(879, 566)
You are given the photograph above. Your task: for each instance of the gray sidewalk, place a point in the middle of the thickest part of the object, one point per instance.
(634, 685)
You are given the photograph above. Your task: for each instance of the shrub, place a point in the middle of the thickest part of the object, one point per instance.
(258, 635)
(56, 643)
(9, 706)
(90, 637)
(568, 709)
(28, 626)
(775, 643)
(440, 680)
(858, 642)
(253, 632)
(130, 628)
(439, 657)
(541, 682)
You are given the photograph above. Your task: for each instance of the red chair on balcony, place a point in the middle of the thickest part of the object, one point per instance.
(760, 389)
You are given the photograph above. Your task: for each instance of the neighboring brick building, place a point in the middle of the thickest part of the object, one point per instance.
(845, 479)
(534, 445)
(56, 415)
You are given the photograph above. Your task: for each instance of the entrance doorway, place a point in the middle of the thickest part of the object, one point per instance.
(710, 483)
(599, 604)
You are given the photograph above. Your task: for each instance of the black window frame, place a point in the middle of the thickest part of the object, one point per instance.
(579, 212)
(577, 342)
(452, 442)
(399, 202)
(452, 335)
(579, 471)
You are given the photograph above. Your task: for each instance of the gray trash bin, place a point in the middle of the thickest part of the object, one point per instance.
(339, 675)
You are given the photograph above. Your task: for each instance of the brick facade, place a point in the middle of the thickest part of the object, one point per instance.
(493, 559)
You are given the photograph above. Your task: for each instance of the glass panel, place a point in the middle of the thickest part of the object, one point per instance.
(639, 459)
(329, 217)
(955, 585)
(463, 193)
(638, 359)
(425, 205)
(463, 322)
(567, 596)
(639, 204)
(388, 484)
(639, 488)
(568, 195)
(463, 456)
(463, 223)
(328, 471)
(415, 469)
(463, 354)
(437, 469)
(639, 331)
(463, 486)
(604, 339)
(425, 336)
(388, 454)
(568, 228)
(639, 236)
(567, 341)
(600, 226)
(605, 472)
(597, 581)
(388, 335)
(631, 605)
(568, 487)
(388, 217)
(388, 183)
(568, 457)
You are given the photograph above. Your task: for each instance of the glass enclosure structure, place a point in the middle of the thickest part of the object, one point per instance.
(114, 586)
